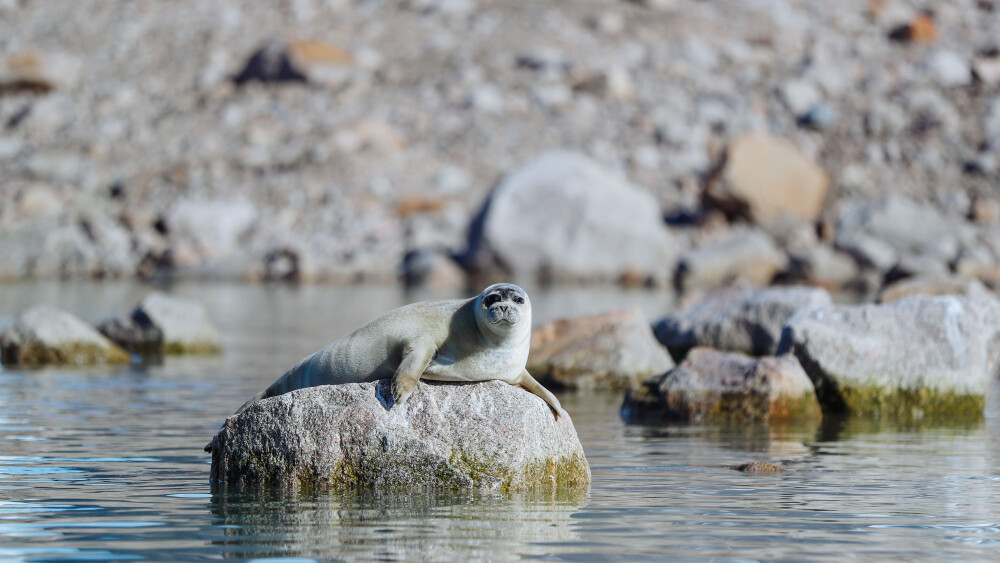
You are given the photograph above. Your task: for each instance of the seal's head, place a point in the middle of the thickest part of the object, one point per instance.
(504, 308)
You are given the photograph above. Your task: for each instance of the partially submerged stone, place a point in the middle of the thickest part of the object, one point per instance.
(759, 467)
(164, 324)
(614, 350)
(46, 335)
(736, 319)
(488, 436)
(722, 387)
(915, 357)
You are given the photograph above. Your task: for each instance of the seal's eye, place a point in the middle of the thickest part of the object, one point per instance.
(491, 299)
(518, 300)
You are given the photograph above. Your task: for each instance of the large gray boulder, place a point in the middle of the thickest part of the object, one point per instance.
(565, 217)
(737, 319)
(165, 324)
(915, 357)
(46, 335)
(714, 386)
(614, 350)
(487, 435)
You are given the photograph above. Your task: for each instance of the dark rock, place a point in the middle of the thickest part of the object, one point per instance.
(487, 435)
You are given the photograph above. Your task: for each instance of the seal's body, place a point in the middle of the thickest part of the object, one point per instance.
(486, 337)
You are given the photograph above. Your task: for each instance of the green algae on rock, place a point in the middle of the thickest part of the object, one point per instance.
(484, 436)
(920, 356)
(46, 335)
(724, 387)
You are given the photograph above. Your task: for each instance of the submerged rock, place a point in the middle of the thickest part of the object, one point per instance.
(915, 357)
(716, 386)
(45, 335)
(759, 467)
(736, 319)
(164, 324)
(487, 435)
(615, 350)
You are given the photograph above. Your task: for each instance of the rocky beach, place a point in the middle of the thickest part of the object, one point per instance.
(660, 142)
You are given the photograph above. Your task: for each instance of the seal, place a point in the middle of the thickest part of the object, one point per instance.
(478, 339)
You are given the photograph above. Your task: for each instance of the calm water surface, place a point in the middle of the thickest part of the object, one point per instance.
(106, 463)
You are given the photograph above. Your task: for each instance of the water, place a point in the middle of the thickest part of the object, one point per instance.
(106, 463)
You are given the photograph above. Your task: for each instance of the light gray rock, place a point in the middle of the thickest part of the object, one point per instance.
(916, 357)
(714, 386)
(614, 350)
(949, 68)
(740, 254)
(736, 319)
(800, 96)
(46, 335)
(563, 216)
(183, 326)
(489, 435)
(880, 233)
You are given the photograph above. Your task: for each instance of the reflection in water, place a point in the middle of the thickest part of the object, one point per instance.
(404, 526)
(106, 463)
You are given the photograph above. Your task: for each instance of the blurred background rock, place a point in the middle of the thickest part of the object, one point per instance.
(842, 144)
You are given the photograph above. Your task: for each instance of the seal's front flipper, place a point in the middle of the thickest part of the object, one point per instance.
(525, 380)
(416, 357)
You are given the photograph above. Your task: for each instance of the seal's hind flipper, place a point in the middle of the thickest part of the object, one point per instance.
(529, 383)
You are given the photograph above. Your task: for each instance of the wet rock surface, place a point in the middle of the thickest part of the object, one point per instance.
(714, 386)
(615, 350)
(46, 335)
(736, 319)
(488, 436)
(920, 356)
(165, 324)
